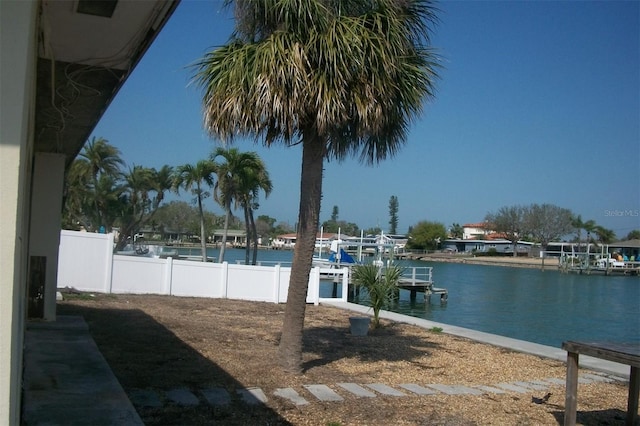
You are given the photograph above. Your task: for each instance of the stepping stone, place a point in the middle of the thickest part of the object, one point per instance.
(183, 396)
(491, 389)
(145, 398)
(384, 389)
(512, 387)
(540, 382)
(357, 390)
(556, 381)
(455, 389)
(291, 395)
(253, 396)
(417, 389)
(596, 378)
(323, 393)
(216, 396)
(530, 385)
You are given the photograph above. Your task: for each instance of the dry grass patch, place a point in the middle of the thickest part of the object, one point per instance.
(162, 343)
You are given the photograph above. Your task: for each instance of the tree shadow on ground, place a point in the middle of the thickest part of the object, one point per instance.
(387, 343)
(145, 355)
(609, 417)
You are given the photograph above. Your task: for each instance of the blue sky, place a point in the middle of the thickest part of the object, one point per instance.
(538, 102)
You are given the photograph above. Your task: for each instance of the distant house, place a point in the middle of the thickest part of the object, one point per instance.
(323, 240)
(484, 245)
(284, 241)
(235, 237)
(477, 231)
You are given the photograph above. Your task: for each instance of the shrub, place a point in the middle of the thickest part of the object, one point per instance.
(381, 285)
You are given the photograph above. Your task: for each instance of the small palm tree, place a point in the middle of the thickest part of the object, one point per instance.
(381, 285)
(193, 178)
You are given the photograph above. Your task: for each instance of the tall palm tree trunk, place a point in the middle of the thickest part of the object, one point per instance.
(254, 234)
(203, 240)
(247, 238)
(290, 349)
(224, 234)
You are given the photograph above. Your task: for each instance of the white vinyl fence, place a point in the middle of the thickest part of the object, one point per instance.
(87, 263)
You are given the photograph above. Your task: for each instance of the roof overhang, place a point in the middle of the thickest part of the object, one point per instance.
(86, 51)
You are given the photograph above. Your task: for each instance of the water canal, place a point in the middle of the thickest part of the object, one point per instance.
(528, 304)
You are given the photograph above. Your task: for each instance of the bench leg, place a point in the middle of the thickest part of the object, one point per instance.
(571, 396)
(632, 402)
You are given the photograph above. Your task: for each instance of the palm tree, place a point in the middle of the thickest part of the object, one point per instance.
(77, 196)
(381, 285)
(251, 182)
(240, 176)
(142, 194)
(192, 178)
(605, 236)
(340, 78)
(101, 158)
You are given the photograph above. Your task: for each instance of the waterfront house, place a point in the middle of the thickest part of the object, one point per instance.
(235, 237)
(284, 242)
(479, 231)
(500, 245)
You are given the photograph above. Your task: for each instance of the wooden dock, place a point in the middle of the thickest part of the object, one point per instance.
(416, 285)
(417, 279)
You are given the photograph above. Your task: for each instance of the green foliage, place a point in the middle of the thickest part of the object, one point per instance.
(457, 231)
(381, 285)
(100, 196)
(426, 235)
(372, 231)
(633, 235)
(334, 214)
(393, 214)
(436, 329)
(241, 176)
(345, 228)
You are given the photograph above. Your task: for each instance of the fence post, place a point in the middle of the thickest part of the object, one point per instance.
(276, 283)
(168, 276)
(108, 273)
(225, 279)
(345, 284)
(316, 282)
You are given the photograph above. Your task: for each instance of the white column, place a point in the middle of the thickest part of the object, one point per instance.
(17, 103)
(46, 216)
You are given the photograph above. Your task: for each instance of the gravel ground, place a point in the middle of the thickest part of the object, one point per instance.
(162, 343)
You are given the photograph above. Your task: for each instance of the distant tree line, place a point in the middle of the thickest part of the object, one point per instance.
(100, 196)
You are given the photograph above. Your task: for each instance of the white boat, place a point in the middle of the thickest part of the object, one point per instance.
(143, 250)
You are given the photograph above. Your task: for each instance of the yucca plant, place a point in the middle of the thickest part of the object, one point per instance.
(381, 285)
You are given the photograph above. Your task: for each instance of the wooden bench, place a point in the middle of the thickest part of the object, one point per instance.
(624, 353)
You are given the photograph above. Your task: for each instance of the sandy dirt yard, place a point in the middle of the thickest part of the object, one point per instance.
(162, 343)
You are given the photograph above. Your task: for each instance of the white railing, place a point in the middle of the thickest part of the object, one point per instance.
(86, 262)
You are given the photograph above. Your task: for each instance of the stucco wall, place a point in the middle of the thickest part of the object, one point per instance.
(17, 103)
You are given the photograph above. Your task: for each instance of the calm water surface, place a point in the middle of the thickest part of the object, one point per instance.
(528, 304)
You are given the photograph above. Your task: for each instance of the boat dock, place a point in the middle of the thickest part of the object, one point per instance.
(590, 263)
(418, 279)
